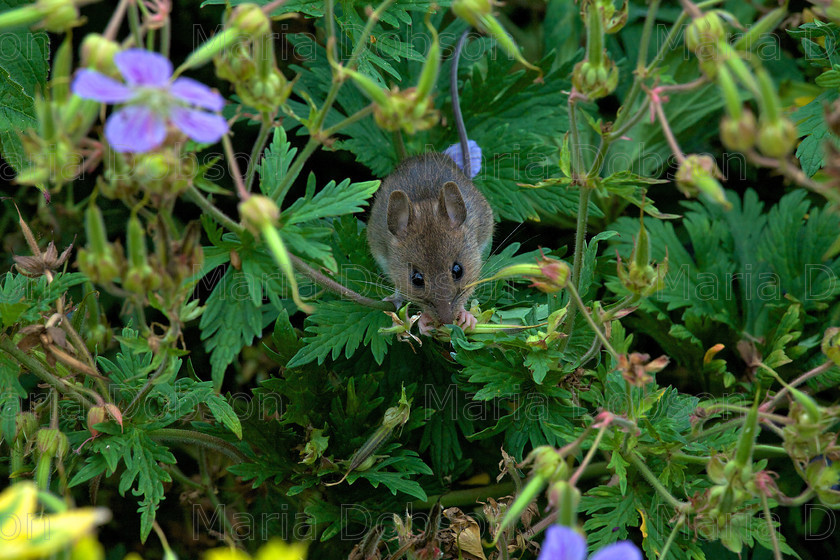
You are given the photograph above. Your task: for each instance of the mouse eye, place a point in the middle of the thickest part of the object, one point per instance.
(457, 271)
(417, 279)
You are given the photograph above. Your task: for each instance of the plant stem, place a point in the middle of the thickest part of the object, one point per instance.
(796, 382)
(233, 166)
(685, 458)
(41, 372)
(114, 23)
(465, 497)
(589, 454)
(134, 24)
(333, 286)
(671, 538)
(357, 116)
(267, 120)
(666, 130)
(777, 553)
(580, 238)
(601, 336)
(193, 437)
(577, 158)
(195, 195)
(294, 170)
(210, 492)
(654, 482)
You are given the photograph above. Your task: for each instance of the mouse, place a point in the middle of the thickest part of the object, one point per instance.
(428, 230)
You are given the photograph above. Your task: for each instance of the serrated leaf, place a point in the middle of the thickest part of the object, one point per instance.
(224, 413)
(230, 321)
(810, 122)
(338, 327)
(142, 457)
(333, 200)
(275, 164)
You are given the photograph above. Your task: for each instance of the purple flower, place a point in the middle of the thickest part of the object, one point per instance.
(454, 151)
(563, 543)
(151, 101)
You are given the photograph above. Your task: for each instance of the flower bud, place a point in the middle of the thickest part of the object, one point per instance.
(777, 139)
(548, 464)
(99, 261)
(95, 415)
(703, 35)
(738, 133)
(823, 475)
(613, 21)
(595, 80)
(235, 64)
(59, 15)
(472, 11)
(699, 174)
(26, 424)
(831, 344)
(404, 110)
(250, 20)
(479, 14)
(265, 94)
(258, 212)
(140, 277)
(97, 53)
(52, 442)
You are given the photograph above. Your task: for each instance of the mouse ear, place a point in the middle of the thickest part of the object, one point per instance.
(399, 213)
(452, 204)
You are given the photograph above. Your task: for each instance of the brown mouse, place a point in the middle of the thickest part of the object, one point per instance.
(429, 227)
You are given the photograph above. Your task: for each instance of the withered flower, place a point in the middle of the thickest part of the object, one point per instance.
(636, 368)
(39, 264)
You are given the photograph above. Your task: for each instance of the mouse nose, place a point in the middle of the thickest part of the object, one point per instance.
(445, 312)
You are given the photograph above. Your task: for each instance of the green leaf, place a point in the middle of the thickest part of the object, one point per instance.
(810, 121)
(333, 200)
(231, 321)
(619, 465)
(275, 164)
(612, 512)
(224, 413)
(830, 79)
(23, 75)
(142, 458)
(397, 480)
(341, 326)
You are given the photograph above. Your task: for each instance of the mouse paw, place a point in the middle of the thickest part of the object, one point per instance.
(466, 320)
(426, 324)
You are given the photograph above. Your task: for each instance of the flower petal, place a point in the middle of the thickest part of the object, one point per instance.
(135, 129)
(624, 550)
(90, 84)
(196, 93)
(454, 151)
(562, 543)
(144, 68)
(201, 126)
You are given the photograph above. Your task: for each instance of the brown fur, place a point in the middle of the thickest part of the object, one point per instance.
(418, 222)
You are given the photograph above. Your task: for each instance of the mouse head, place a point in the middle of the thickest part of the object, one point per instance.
(433, 255)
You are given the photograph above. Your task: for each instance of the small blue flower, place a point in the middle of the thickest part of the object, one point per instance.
(454, 151)
(564, 543)
(151, 101)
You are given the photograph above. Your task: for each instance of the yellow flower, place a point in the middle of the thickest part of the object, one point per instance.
(275, 549)
(25, 535)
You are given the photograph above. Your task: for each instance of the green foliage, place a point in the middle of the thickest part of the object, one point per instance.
(338, 327)
(737, 274)
(189, 361)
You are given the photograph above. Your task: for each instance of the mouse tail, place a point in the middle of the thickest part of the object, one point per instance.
(456, 103)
